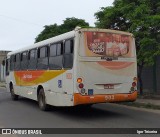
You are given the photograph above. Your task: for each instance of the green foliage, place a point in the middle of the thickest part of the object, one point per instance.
(69, 24)
(140, 17)
(141, 105)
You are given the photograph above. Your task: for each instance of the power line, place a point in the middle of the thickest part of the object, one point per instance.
(20, 20)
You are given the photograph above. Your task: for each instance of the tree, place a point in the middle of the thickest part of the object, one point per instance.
(53, 30)
(140, 17)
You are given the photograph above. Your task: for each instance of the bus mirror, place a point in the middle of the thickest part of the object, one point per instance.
(3, 62)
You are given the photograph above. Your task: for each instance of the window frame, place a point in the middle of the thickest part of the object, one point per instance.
(46, 52)
(7, 66)
(43, 61)
(26, 56)
(12, 61)
(19, 57)
(67, 54)
(71, 50)
(57, 56)
(55, 44)
(29, 54)
(30, 60)
(17, 63)
(23, 61)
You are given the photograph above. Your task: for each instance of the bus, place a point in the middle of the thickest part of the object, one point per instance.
(82, 67)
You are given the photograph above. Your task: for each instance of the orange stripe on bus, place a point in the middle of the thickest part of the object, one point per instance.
(30, 78)
(80, 99)
(29, 75)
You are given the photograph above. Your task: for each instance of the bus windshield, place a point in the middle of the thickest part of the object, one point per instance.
(106, 44)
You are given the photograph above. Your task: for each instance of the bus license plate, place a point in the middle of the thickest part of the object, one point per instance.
(108, 86)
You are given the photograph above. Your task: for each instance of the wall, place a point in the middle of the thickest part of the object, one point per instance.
(2, 68)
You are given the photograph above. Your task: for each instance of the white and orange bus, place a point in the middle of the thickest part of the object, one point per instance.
(81, 67)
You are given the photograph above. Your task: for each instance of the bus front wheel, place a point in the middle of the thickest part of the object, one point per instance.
(13, 95)
(42, 100)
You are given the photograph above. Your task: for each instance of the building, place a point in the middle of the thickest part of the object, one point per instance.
(2, 68)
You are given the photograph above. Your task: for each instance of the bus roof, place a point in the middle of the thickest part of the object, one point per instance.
(45, 42)
(65, 36)
(107, 30)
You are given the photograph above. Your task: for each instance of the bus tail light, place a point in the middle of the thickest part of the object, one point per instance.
(134, 84)
(81, 85)
(79, 80)
(135, 79)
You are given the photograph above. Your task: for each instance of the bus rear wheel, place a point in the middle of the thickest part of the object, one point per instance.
(42, 100)
(13, 95)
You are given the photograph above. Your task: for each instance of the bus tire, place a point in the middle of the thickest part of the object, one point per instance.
(13, 95)
(42, 100)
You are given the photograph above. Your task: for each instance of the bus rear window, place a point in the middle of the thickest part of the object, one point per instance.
(107, 44)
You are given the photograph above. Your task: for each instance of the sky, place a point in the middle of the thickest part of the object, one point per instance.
(22, 20)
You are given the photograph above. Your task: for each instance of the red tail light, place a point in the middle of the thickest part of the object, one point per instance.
(81, 85)
(134, 84)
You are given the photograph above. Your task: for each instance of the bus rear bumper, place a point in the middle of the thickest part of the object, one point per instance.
(85, 99)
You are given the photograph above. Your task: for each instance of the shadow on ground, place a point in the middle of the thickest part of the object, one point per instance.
(96, 111)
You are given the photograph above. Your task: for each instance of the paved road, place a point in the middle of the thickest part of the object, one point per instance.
(26, 114)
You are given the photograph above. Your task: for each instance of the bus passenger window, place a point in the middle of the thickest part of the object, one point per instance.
(12, 60)
(68, 54)
(32, 59)
(42, 62)
(55, 59)
(7, 67)
(59, 49)
(17, 62)
(53, 50)
(43, 52)
(24, 61)
(69, 46)
(32, 54)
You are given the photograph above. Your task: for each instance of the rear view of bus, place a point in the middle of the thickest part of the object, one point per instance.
(106, 68)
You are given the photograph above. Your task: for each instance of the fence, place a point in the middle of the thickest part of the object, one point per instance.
(151, 78)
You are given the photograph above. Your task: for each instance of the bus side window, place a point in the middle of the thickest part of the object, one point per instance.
(24, 60)
(7, 66)
(12, 60)
(59, 49)
(55, 57)
(17, 62)
(42, 62)
(32, 59)
(68, 54)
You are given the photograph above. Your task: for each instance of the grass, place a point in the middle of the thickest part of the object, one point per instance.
(141, 105)
(2, 85)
